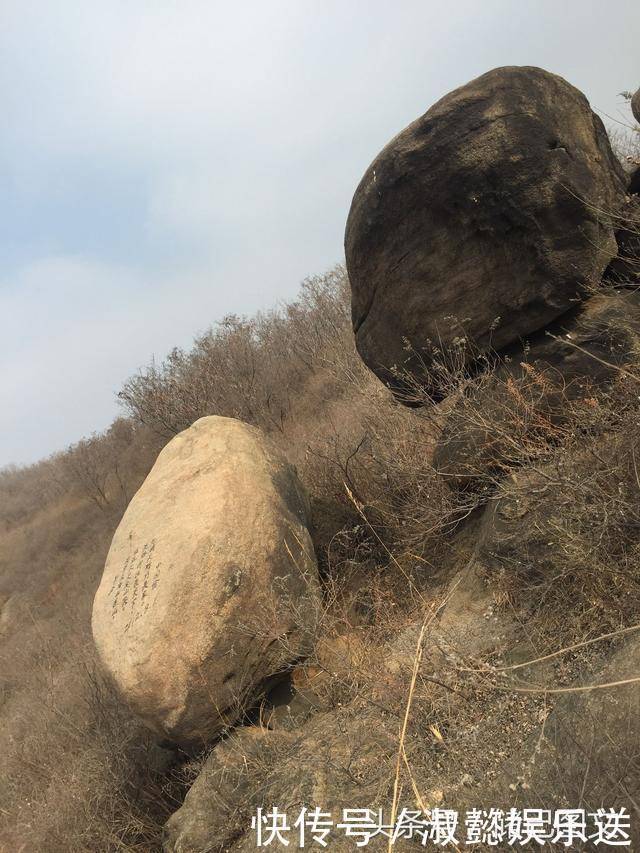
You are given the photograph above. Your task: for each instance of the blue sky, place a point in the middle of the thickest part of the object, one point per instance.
(164, 163)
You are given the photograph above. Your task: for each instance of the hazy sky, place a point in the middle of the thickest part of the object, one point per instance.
(164, 163)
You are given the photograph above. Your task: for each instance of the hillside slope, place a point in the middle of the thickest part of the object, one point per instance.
(477, 537)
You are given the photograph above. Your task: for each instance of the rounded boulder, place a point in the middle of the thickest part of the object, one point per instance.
(484, 220)
(210, 589)
(635, 106)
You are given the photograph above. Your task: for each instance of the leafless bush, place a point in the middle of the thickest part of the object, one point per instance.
(97, 465)
(625, 139)
(625, 142)
(251, 369)
(389, 526)
(25, 491)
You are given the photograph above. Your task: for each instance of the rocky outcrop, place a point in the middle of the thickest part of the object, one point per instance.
(484, 220)
(531, 389)
(338, 759)
(210, 587)
(482, 229)
(539, 531)
(635, 106)
(520, 530)
(217, 808)
(633, 185)
(591, 737)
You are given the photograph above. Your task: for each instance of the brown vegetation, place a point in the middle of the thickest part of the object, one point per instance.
(79, 774)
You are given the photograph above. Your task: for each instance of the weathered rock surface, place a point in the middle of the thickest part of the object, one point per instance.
(217, 808)
(536, 532)
(590, 746)
(520, 529)
(488, 428)
(586, 749)
(514, 753)
(488, 209)
(633, 184)
(339, 760)
(635, 106)
(210, 586)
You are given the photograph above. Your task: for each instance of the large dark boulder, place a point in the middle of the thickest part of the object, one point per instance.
(635, 106)
(485, 219)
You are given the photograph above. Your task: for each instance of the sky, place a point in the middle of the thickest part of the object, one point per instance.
(164, 163)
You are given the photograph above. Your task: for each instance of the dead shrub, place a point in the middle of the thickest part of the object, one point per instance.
(390, 529)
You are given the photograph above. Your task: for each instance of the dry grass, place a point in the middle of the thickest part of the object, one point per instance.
(390, 531)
